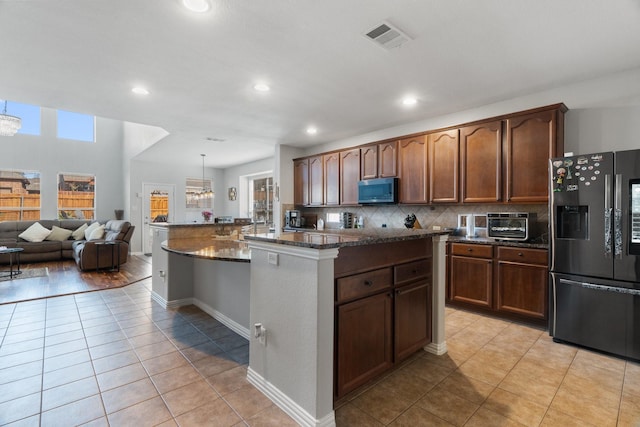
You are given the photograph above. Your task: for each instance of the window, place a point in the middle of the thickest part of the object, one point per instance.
(261, 200)
(19, 195)
(76, 126)
(76, 196)
(29, 114)
(198, 194)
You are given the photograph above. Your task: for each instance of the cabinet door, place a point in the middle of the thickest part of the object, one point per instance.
(316, 181)
(363, 341)
(331, 183)
(413, 170)
(443, 166)
(369, 162)
(412, 326)
(522, 289)
(301, 182)
(471, 280)
(349, 176)
(388, 159)
(531, 141)
(481, 152)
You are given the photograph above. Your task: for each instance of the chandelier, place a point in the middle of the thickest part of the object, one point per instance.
(9, 125)
(206, 193)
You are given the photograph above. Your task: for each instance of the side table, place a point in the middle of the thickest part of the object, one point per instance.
(114, 247)
(13, 252)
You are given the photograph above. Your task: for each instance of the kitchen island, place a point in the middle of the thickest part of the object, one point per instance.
(287, 291)
(293, 303)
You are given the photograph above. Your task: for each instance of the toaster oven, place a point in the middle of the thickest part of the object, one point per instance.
(510, 225)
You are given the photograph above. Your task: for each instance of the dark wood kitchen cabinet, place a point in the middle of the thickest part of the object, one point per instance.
(331, 179)
(412, 170)
(379, 160)
(383, 312)
(507, 281)
(532, 139)
(316, 181)
(301, 182)
(444, 158)
(471, 274)
(522, 281)
(481, 162)
(349, 176)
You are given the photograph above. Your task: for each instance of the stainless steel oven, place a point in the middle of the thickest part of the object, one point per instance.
(510, 225)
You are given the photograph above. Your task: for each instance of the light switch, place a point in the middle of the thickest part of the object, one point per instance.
(272, 258)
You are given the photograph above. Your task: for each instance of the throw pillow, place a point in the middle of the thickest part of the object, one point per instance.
(59, 234)
(35, 233)
(97, 233)
(89, 230)
(78, 234)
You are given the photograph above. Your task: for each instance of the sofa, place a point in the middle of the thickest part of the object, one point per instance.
(56, 248)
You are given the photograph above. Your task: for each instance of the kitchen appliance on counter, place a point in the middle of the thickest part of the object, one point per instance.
(292, 219)
(595, 251)
(510, 225)
(378, 191)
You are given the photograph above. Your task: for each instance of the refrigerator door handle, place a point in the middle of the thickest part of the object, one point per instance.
(607, 216)
(601, 287)
(617, 219)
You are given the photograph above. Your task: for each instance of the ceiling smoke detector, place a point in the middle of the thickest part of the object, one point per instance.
(387, 36)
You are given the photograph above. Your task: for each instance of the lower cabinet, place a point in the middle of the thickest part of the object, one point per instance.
(364, 339)
(383, 314)
(499, 279)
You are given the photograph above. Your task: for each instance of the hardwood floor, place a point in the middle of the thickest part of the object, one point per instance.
(65, 278)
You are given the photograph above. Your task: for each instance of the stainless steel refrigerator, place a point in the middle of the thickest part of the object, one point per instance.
(594, 221)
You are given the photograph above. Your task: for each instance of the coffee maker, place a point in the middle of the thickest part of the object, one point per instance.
(292, 219)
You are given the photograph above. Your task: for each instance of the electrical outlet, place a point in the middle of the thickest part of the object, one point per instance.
(260, 333)
(272, 258)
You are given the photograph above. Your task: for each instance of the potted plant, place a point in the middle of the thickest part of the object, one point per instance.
(207, 215)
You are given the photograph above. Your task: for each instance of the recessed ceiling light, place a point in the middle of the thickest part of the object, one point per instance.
(311, 130)
(409, 100)
(198, 6)
(261, 87)
(138, 90)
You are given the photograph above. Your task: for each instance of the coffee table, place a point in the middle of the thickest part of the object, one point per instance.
(13, 253)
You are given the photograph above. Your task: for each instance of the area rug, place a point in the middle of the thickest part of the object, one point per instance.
(29, 273)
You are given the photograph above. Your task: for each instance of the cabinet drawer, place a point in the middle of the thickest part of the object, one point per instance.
(410, 271)
(523, 255)
(470, 249)
(360, 285)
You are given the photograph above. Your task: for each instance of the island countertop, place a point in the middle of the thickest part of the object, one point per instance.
(340, 238)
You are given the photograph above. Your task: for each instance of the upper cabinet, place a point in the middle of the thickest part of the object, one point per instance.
(444, 158)
(349, 176)
(499, 160)
(316, 181)
(481, 162)
(413, 170)
(301, 182)
(331, 172)
(531, 139)
(379, 160)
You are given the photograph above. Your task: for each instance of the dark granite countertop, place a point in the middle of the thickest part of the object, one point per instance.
(221, 250)
(328, 239)
(489, 241)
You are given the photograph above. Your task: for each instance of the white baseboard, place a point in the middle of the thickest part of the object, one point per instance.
(170, 304)
(437, 349)
(290, 407)
(226, 321)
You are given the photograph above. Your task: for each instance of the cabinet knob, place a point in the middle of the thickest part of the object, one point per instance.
(520, 254)
(469, 250)
(414, 271)
(368, 282)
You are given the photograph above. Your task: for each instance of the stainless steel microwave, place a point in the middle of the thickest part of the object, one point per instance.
(510, 225)
(378, 191)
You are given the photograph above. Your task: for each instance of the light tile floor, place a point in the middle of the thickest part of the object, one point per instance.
(116, 358)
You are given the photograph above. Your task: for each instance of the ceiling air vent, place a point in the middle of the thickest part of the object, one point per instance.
(387, 36)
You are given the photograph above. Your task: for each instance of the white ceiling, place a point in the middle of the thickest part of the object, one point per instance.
(86, 55)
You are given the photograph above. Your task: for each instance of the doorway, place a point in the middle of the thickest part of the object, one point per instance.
(158, 206)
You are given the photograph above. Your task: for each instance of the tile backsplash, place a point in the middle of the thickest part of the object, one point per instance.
(428, 216)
